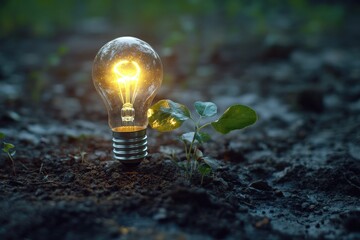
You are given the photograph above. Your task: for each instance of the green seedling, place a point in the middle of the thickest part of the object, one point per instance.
(8, 148)
(82, 142)
(167, 115)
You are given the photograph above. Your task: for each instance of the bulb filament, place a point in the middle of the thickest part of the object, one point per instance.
(127, 76)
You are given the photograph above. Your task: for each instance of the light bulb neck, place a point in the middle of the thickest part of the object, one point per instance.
(127, 114)
(130, 148)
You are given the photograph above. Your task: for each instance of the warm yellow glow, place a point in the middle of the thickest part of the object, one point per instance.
(150, 112)
(127, 70)
(128, 129)
(127, 74)
(173, 121)
(156, 124)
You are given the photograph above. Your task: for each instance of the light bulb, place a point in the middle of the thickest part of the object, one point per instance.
(127, 73)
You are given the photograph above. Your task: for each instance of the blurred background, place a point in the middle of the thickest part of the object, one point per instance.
(227, 51)
(296, 171)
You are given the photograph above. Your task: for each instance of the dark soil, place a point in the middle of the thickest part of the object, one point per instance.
(293, 175)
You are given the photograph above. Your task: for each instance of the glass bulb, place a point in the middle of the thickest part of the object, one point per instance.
(127, 73)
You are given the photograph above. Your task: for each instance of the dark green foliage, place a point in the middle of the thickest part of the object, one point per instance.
(235, 117)
(45, 18)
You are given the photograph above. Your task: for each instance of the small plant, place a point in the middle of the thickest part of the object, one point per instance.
(82, 155)
(8, 148)
(82, 140)
(167, 115)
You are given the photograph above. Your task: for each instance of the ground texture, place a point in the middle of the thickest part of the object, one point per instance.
(295, 174)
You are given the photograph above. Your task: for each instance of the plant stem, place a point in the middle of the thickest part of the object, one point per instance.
(197, 129)
(191, 155)
(191, 151)
(205, 125)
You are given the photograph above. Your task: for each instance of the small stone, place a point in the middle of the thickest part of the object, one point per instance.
(13, 116)
(168, 161)
(263, 223)
(160, 215)
(305, 205)
(115, 175)
(39, 192)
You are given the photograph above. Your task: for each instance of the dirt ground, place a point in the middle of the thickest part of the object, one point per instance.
(295, 174)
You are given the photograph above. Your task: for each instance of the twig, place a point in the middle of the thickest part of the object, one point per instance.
(41, 167)
(246, 203)
(23, 165)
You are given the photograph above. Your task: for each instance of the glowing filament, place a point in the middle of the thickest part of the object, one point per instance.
(127, 76)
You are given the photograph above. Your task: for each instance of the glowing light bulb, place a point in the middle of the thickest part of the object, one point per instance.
(127, 73)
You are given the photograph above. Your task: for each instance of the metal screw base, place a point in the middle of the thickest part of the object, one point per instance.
(130, 147)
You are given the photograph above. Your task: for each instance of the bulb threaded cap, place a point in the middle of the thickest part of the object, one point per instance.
(130, 147)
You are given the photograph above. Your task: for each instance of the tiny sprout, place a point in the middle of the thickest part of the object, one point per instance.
(8, 148)
(83, 154)
(167, 115)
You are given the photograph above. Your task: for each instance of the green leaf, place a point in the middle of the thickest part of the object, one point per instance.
(205, 109)
(177, 110)
(235, 117)
(2, 135)
(7, 147)
(166, 115)
(203, 137)
(204, 169)
(187, 137)
(198, 154)
(200, 137)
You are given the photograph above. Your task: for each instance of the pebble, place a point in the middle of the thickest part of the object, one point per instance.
(115, 175)
(263, 223)
(39, 192)
(160, 215)
(305, 205)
